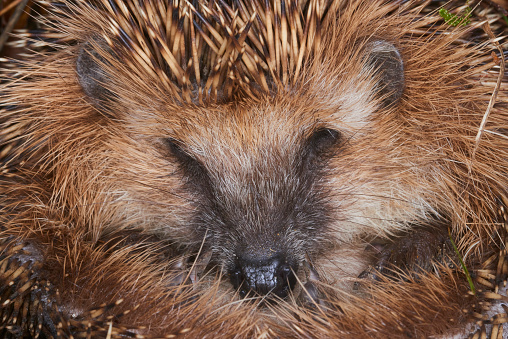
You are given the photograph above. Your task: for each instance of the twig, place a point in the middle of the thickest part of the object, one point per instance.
(12, 21)
(497, 6)
(493, 98)
(8, 7)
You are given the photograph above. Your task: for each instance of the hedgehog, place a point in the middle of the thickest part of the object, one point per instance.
(266, 168)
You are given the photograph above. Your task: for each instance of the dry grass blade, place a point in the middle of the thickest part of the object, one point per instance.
(496, 89)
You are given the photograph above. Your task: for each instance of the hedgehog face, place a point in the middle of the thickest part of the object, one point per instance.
(255, 180)
(261, 202)
(250, 176)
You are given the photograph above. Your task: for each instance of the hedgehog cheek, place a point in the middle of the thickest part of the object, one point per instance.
(383, 62)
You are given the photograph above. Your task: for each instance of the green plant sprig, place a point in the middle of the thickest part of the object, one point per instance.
(468, 276)
(455, 20)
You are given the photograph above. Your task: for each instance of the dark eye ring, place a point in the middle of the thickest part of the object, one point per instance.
(190, 165)
(176, 149)
(323, 139)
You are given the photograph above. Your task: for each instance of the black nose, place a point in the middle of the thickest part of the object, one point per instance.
(263, 275)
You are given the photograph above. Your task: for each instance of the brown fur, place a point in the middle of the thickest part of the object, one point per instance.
(118, 172)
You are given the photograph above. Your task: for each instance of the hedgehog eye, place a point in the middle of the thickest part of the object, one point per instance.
(176, 149)
(323, 139)
(190, 165)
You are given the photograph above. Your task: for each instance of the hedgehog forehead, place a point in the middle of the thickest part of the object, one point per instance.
(242, 128)
(342, 102)
(256, 130)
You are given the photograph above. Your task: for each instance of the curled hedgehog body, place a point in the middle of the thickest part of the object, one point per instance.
(164, 162)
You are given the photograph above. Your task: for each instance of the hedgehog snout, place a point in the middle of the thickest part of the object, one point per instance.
(273, 275)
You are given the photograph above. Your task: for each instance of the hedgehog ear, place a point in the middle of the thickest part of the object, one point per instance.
(385, 61)
(92, 76)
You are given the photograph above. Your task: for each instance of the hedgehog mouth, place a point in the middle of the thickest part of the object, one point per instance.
(191, 271)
